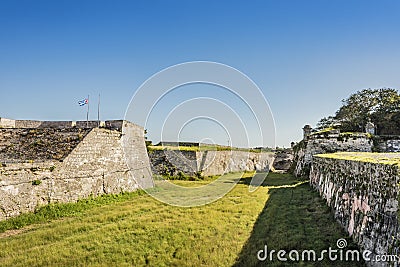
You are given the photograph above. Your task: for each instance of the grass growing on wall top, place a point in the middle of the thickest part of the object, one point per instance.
(381, 158)
(325, 130)
(140, 231)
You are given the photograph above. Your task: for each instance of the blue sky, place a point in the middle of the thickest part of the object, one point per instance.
(306, 56)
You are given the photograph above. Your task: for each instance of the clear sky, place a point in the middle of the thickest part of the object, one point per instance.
(306, 56)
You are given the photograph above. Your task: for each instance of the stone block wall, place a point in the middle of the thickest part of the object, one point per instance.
(38, 144)
(114, 124)
(7, 123)
(283, 160)
(100, 161)
(220, 162)
(27, 124)
(364, 198)
(208, 163)
(304, 151)
(53, 124)
(170, 162)
(135, 153)
(387, 144)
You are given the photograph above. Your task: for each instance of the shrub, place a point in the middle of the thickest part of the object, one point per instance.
(199, 175)
(36, 182)
(181, 176)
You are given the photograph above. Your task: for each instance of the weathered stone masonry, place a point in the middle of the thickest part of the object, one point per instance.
(220, 162)
(364, 199)
(208, 162)
(318, 144)
(333, 141)
(58, 162)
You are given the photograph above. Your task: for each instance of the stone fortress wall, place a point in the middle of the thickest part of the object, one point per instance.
(47, 162)
(220, 162)
(303, 154)
(44, 162)
(361, 187)
(364, 197)
(335, 141)
(208, 163)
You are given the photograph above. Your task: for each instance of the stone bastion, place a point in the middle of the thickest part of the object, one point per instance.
(43, 162)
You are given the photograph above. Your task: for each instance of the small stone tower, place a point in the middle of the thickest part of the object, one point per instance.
(306, 131)
(370, 128)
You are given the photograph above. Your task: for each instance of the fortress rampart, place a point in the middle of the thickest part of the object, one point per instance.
(363, 191)
(62, 161)
(210, 162)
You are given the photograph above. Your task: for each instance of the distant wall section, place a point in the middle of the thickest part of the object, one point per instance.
(208, 163)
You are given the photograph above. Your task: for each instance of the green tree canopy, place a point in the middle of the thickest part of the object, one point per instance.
(380, 106)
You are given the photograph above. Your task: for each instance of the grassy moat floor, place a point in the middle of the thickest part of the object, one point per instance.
(136, 230)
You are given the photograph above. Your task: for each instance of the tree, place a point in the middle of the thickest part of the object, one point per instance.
(380, 106)
(325, 122)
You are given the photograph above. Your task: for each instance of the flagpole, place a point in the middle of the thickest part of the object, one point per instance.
(87, 113)
(98, 112)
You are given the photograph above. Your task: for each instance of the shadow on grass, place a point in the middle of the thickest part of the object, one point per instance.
(294, 218)
(275, 179)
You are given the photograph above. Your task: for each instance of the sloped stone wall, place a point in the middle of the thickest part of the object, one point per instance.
(364, 199)
(38, 144)
(283, 160)
(208, 163)
(387, 144)
(393, 145)
(103, 161)
(170, 162)
(220, 162)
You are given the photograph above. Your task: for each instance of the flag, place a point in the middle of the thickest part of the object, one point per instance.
(83, 102)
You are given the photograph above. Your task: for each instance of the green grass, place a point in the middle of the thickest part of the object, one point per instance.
(325, 130)
(294, 218)
(59, 210)
(136, 230)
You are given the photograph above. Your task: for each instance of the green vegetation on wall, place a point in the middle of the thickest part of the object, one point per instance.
(381, 158)
(380, 106)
